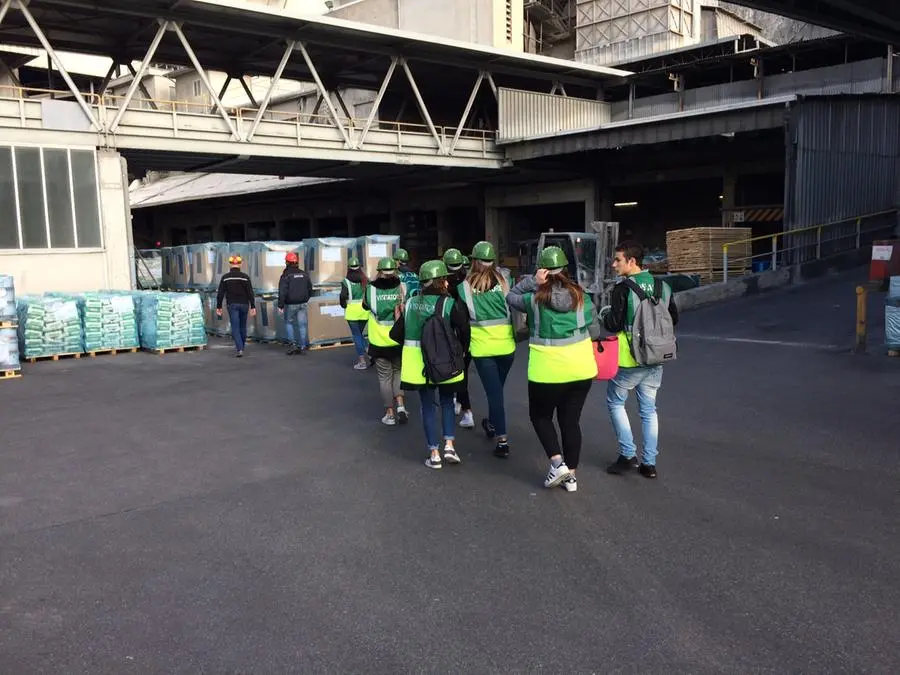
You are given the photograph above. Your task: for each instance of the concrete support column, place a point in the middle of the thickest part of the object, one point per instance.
(729, 196)
(115, 212)
(445, 236)
(395, 224)
(604, 202)
(313, 226)
(496, 229)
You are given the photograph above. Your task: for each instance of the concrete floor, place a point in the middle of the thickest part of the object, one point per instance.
(193, 513)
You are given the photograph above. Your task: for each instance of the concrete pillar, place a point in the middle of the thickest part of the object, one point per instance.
(115, 211)
(395, 225)
(496, 229)
(729, 196)
(604, 203)
(445, 236)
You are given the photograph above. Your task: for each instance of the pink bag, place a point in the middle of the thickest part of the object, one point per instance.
(606, 353)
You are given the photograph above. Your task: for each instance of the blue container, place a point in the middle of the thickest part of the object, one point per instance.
(761, 266)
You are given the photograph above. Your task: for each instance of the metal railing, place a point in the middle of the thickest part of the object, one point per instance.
(809, 243)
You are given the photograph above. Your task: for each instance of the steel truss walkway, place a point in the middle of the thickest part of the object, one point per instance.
(455, 78)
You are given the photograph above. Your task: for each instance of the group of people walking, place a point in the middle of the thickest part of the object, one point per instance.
(463, 305)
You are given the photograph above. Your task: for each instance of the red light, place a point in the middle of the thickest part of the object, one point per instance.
(158, 244)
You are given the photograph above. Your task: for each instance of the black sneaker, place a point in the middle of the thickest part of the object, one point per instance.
(622, 465)
(240, 354)
(292, 351)
(489, 429)
(502, 450)
(648, 471)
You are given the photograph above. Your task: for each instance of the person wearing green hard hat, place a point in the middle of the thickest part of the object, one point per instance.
(434, 332)
(562, 323)
(455, 260)
(408, 278)
(493, 343)
(382, 302)
(353, 289)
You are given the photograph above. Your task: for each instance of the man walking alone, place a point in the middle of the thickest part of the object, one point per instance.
(235, 286)
(644, 379)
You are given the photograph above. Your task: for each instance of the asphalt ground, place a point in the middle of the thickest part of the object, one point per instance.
(194, 513)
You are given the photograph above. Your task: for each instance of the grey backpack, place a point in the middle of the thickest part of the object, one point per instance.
(653, 332)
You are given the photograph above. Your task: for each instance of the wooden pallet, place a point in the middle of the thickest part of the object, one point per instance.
(53, 357)
(330, 344)
(8, 324)
(101, 352)
(894, 353)
(700, 248)
(176, 350)
(10, 374)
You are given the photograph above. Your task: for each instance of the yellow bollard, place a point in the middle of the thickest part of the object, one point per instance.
(862, 297)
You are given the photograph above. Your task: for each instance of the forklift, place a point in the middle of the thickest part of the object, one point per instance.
(590, 257)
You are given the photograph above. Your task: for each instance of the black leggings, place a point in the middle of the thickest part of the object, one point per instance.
(462, 394)
(567, 400)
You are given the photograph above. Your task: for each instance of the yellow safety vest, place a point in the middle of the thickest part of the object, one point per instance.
(419, 309)
(490, 321)
(381, 315)
(354, 311)
(559, 346)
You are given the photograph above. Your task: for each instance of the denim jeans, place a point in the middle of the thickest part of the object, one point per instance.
(493, 371)
(429, 397)
(646, 380)
(356, 330)
(237, 315)
(296, 319)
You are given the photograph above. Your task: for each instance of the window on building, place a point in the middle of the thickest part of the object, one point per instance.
(48, 199)
(196, 88)
(509, 21)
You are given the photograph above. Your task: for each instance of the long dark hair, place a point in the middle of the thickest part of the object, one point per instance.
(358, 276)
(561, 280)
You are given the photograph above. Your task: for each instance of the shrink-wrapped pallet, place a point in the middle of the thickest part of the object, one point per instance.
(269, 321)
(223, 254)
(215, 324)
(327, 258)
(372, 248)
(203, 258)
(9, 349)
(182, 267)
(265, 262)
(326, 320)
(892, 323)
(169, 320)
(167, 260)
(49, 326)
(109, 321)
(7, 299)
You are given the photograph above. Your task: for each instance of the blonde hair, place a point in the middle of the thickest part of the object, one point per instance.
(484, 276)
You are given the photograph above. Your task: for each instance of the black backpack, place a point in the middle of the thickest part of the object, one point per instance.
(441, 350)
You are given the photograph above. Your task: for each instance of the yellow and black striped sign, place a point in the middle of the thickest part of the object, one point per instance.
(758, 215)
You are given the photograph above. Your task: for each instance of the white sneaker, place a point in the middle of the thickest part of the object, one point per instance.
(361, 366)
(389, 420)
(432, 463)
(450, 455)
(457, 408)
(557, 475)
(569, 483)
(468, 420)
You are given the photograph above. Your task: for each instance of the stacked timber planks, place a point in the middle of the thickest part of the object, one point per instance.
(698, 250)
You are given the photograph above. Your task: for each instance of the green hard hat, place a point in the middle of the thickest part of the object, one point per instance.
(354, 262)
(453, 257)
(466, 261)
(401, 255)
(387, 264)
(433, 269)
(552, 258)
(484, 250)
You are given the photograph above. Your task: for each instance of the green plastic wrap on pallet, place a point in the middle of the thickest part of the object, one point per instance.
(892, 323)
(49, 325)
(167, 320)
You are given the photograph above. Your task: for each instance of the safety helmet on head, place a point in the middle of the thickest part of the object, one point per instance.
(552, 258)
(433, 269)
(401, 255)
(387, 264)
(292, 258)
(466, 261)
(453, 257)
(484, 250)
(353, 262)
(235, 261)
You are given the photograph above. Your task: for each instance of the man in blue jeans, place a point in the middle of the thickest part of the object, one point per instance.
(235, 286)
(644, 380)
(294, 291)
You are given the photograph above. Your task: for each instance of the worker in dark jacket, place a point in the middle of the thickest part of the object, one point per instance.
(235, 287)
(294, 291)
(455, 262)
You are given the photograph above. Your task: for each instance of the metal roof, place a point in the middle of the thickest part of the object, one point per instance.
(876, 19)
(231, 36)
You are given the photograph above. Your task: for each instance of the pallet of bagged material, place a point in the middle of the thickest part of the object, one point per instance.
(10, 374)
(700, 248)
(52, 357)
(174, 350)
(100, 352)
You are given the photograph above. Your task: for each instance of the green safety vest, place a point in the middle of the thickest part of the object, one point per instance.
(559, 345)
(645, 280)
(489, 317)
(382, 302)
(418, 310)
(354, 311)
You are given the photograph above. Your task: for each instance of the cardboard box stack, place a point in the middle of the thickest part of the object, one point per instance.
(373, 248)
(326, 320)
(269, 321)
(49, 326)
(326, 259)
(169, 320)
(265, 263)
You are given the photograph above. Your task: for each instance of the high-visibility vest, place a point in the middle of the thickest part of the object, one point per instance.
(490, 320)
(382, 302)
(559, 345)
(354, 311)
(418, 310)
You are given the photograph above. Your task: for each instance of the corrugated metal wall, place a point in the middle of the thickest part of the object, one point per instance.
(526, 114)
(843, 162)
